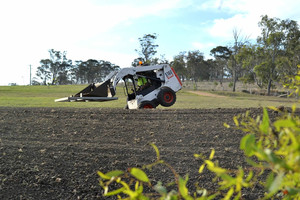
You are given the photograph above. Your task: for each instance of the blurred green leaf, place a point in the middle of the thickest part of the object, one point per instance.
(273, 108)
(211, 156)
(160, 188)
(276, 183)
(249, 177)
(103, 175)
(209, 163)
(139, 174)
(227, 177)
(238, 196)
(114, 173)
(247, 143)
(199, 156)
(264, 126)
(156, 150)
(229, 194)
(236, 120)
(269, 181)
(115, 192)
(286, 123)
(201, 168)
(218, 170)
(183, 189)
(293, 191)
(226, 125)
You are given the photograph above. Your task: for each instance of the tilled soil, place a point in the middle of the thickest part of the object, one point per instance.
(55, 153)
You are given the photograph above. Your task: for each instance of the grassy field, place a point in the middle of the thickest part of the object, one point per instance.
(44, 96)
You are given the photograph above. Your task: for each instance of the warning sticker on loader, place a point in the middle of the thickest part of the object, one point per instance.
(169, 74)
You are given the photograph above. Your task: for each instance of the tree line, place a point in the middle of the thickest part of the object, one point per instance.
(58, 70)
(274, 56)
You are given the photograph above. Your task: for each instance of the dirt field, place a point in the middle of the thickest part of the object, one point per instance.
(55, 153)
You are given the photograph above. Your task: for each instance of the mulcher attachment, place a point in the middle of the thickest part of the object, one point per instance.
(97, 90)
(94, 92)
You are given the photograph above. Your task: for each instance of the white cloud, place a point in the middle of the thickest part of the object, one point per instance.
(246, 24)
(246, 15)
(274, 8)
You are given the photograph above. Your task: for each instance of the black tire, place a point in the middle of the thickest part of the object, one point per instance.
(156, 103)
(147, 105)
(166, 97)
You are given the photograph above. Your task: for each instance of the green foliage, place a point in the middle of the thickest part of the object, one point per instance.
(191, 65)
(279, 43)
(179, 65)
(146, 50)
(91, 71)
(230, 185)
(58, 70)
(276, 147)
(54, 70)
(231, 182)
(293, 82)
(137, 178)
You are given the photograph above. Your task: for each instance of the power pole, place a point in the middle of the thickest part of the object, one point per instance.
(30, 75)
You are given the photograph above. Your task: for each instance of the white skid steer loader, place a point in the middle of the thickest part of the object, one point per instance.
(159, 86)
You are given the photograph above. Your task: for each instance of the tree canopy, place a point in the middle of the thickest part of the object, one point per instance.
(59, 70)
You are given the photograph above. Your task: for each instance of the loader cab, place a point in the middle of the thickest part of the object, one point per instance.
(130, 87)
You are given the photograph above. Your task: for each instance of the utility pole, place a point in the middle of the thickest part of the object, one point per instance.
(30, 75)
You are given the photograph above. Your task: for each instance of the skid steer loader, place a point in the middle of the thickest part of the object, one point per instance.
(160, 84)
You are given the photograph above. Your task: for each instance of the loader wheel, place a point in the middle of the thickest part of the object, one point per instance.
(166, 97)
(147, 105)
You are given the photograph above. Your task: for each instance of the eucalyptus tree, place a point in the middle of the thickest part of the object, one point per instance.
(221, 56)
(288, 63)
(197, 67)
(249, 56)
(147, 49)
(55, 70)
(279, 43)
(43, 71)
(234, 66)
(92, 70)
(179, 65)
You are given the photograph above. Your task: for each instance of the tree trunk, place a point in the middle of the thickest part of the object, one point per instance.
(269, 86)
(234, 81)
(53, 80)
(233, 88)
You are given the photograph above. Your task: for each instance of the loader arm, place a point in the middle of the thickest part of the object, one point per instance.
(120, 75)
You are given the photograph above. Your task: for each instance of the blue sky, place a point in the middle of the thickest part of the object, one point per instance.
(109, 29)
